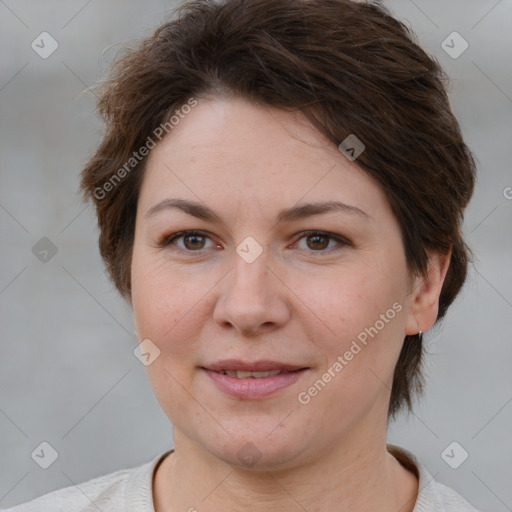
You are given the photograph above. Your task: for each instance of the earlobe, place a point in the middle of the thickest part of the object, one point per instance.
(425, 297)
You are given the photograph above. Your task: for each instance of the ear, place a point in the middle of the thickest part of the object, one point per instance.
(424, 305)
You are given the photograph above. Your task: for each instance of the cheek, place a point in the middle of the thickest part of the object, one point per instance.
(166, 318)
(363, 311)
(164, 313)
(351, 303)
(171, 307)
(159, 303)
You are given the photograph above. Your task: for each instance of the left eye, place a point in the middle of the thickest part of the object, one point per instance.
(194, 240)
(319, 240)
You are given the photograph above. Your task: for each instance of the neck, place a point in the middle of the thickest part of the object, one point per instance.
(359, 477)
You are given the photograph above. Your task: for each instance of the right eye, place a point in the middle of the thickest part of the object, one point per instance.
(193, 241)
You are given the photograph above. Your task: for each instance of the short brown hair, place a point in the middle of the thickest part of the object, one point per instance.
(350, 67)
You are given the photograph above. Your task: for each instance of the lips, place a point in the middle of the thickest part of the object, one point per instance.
(255, 375)
(253, 380)
(236, 365)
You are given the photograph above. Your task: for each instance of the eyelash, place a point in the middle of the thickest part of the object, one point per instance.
(167, 240)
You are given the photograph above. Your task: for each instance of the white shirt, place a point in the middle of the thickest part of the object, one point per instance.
(130, 490)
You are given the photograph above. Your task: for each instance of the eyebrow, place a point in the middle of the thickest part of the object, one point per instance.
(294, 213)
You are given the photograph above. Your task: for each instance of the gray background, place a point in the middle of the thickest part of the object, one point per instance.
(68, 373)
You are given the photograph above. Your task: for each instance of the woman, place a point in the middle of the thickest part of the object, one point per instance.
(280, 192)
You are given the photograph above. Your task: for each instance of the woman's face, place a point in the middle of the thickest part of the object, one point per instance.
(253, 285)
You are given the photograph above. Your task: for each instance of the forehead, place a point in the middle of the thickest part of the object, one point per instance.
(233, 148)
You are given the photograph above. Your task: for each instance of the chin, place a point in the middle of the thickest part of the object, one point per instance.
(256, 450)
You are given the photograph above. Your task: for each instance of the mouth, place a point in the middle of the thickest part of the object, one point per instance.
(240, 374)
(253, 380)
(262, 366)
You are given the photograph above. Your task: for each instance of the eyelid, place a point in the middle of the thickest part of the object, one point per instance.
(341, 241)
(167, 240)
(339, 238)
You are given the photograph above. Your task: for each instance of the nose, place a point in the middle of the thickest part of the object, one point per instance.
(253, 299)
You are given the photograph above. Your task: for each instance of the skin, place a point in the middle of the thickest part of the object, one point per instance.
(302, 301)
